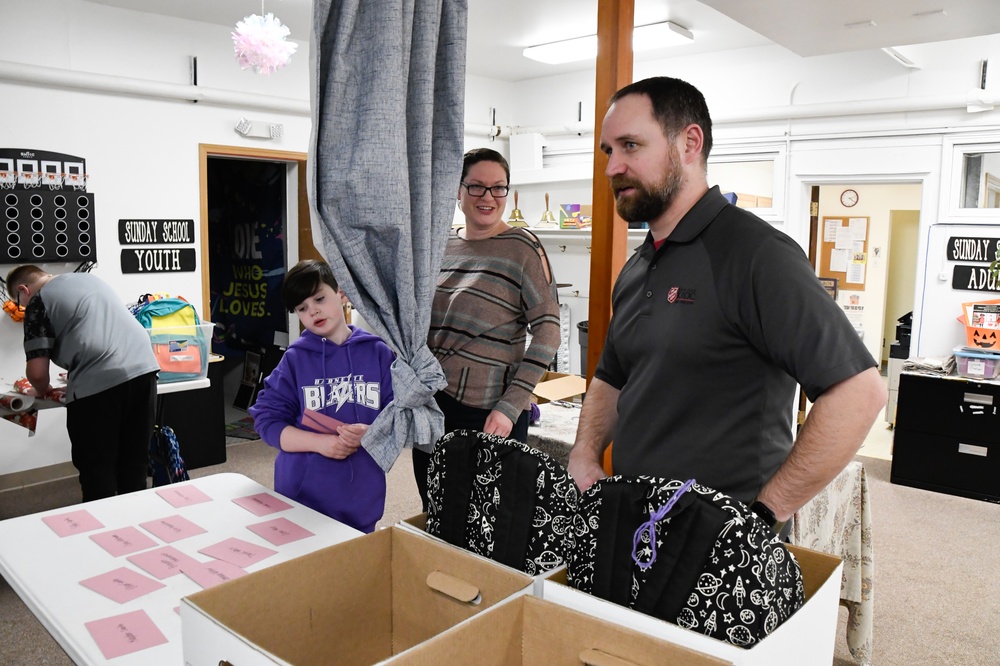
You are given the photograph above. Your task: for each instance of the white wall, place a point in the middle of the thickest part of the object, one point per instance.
(142, 153)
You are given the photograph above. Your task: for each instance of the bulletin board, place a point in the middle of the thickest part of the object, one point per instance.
(843, 251)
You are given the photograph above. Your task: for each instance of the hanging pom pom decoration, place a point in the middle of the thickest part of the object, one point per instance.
(260, 43)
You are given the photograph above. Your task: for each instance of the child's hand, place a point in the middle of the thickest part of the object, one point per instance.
(334, 446)
(351, 434)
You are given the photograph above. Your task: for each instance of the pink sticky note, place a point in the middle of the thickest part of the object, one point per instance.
(239, 552)
(179, 496)
(320, 422)
(280, 531)
(212, 573)
(123, 541)
(172, 528)
(124, 634)
(122, 585)
(162, 562)
(262, 504)
(74, 522)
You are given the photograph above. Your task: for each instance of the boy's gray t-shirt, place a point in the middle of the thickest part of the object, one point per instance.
(81, 324)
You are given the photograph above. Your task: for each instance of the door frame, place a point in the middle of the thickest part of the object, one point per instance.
(304, 223)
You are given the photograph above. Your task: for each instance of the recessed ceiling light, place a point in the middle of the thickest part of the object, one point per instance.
(644, 38)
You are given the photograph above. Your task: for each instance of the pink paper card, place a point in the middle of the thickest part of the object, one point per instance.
(280, 531)
(262, 504)
(212, 573)
(320, 422)
(122, 585)
(172, 528)
(162, 562)
(183, 495)
(124, 634)
(74, 522)
(123, 541)
(239, 552)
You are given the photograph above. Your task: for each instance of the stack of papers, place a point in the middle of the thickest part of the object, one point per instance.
(930, 365)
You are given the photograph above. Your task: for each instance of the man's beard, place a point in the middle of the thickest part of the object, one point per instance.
(647, 202)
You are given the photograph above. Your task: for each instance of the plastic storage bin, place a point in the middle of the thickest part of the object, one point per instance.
(977, 365)
(182, 351)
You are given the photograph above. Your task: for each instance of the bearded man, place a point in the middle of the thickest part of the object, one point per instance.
(717, 317)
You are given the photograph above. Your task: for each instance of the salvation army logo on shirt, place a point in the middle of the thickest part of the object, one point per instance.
(679, 295)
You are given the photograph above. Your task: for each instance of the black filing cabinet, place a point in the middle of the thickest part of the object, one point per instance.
(947, 436)
(198, 419)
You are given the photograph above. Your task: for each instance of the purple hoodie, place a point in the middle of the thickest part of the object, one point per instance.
(349, 382)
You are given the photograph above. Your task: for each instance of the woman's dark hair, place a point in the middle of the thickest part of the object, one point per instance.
(477, 155)
(304, 280)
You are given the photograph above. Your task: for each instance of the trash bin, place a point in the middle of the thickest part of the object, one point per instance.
(581, 330)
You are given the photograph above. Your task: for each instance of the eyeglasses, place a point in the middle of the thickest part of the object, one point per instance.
(498, 191)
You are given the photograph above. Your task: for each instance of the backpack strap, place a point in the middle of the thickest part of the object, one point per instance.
(613, 541)
(516, 511)
(457, 457)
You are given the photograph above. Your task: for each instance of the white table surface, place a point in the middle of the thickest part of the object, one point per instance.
(45, 570)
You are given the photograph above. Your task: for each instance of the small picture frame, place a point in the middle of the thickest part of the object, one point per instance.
(830, 285)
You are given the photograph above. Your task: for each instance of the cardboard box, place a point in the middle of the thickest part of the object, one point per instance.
(418, 525)
(558, 386)
(805, 638)
(527, 631)
(354, 603)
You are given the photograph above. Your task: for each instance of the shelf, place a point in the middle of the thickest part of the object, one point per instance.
(579, 234)
(566, 172)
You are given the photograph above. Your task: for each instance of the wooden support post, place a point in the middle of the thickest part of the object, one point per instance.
(615, 21)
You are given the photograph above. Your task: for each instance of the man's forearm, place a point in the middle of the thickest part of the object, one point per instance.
(598, 419)
(833, 432)
(36, 371)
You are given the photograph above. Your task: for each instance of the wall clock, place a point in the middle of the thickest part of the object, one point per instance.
(849, 198)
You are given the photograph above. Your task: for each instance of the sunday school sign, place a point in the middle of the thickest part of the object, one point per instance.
(973, 278)
(156, 259)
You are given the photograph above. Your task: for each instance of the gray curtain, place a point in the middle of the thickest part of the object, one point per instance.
(384, 165)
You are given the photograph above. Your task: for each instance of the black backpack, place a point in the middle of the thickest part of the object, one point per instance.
(165, 463)
(501, 499)
(684, 553)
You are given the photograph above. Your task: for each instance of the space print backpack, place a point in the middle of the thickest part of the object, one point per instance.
(501, 499)
(686, 554)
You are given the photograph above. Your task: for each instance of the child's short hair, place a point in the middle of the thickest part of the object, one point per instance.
(303, 280)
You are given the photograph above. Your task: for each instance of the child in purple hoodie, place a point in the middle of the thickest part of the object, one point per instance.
(317, 404)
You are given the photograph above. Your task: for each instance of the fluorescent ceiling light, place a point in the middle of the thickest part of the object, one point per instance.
(900, 58)
(644, 38)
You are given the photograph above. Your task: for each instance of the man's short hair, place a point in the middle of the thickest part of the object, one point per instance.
(477, 155)
(303, 280)
(22, 275)
(676, 104)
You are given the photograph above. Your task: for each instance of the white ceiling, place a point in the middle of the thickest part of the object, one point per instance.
(500, 29)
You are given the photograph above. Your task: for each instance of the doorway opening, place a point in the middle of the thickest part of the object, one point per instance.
(254, 224)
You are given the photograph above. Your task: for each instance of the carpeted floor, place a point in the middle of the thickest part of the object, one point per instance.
(242, 429)
(936, 566)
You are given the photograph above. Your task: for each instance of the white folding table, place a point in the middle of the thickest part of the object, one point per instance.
(45, 569)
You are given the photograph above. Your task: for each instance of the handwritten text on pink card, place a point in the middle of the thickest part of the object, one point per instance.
(124, 634)
(122, 585)
(280, 531)
(123, 541)
(183, 495)
(162, 562)
(262, 504)
(74, 522)
(239, 552)
(172, 528)
(212, 573)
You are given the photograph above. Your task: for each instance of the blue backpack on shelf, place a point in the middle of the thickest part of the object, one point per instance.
(180, 341)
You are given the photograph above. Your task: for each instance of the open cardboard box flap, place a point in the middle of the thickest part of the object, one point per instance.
(362, 600)
(558, 386)
(527, 631)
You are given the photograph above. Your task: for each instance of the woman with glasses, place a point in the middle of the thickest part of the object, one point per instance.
(495, 286)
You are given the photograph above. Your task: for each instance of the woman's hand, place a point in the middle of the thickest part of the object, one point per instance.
(498, 424)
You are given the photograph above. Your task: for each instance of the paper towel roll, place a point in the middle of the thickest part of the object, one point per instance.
(16, 402)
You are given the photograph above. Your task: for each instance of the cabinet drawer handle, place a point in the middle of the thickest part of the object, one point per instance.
(972, 449)
(979, 399)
